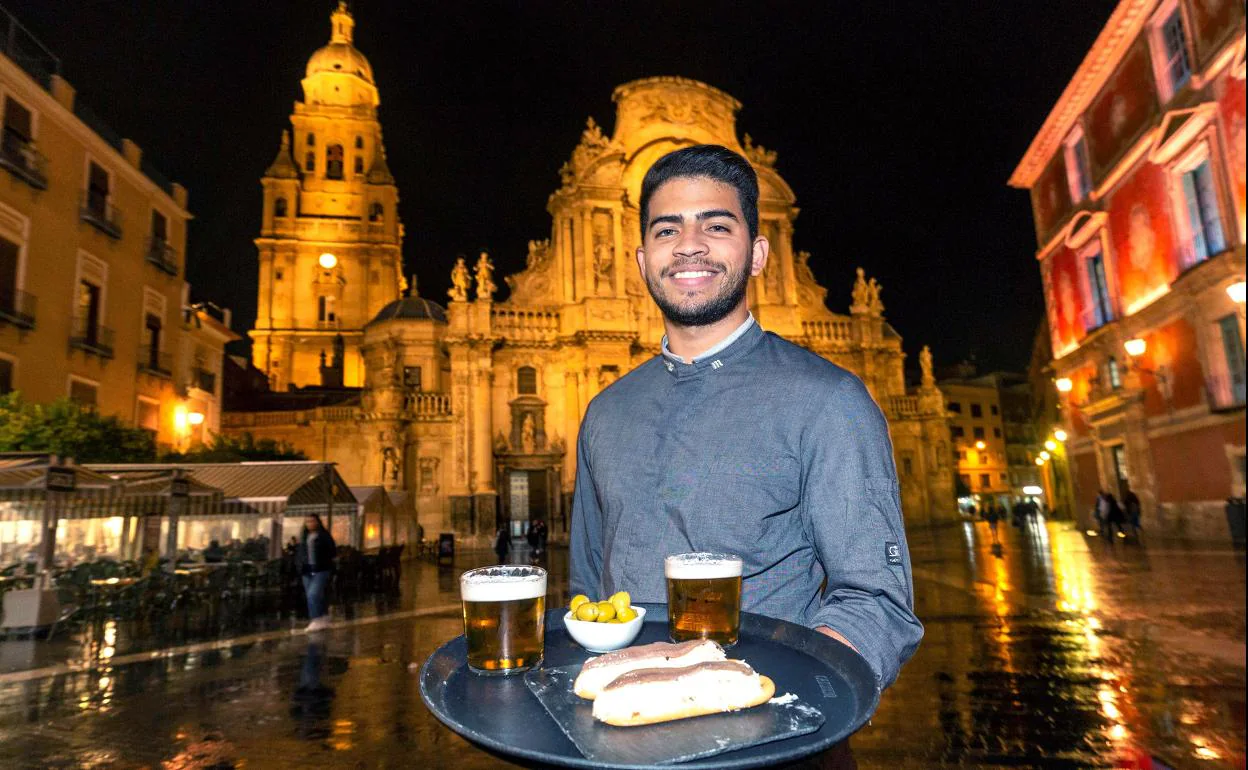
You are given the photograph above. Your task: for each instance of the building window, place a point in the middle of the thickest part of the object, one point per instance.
(965, 478)
(309, 161)
(359, 143)
(985, 481)
(147, 415)
(97, 190)
(907, 466)
(1201, 215)
(1078, 172)
(957, 431)
(151, 341)
(10, 255)
(1098, 288)
(955, 406)
(278, 274)
(962, 455)
(83, 393)
(90, 300)
(311, 140)
(160, 228)
(996, 433)
(6, 376)
(1005, 480)
(1227, 381)
(412, 378)
(17, 145)
(977, 410)
(375, 212)
(993, 410)
(359, 165)
(978, 433)
(1168, 45)
(333, 161)
(279, 207)
(526, 381)
(325, 310)
(1113, 373)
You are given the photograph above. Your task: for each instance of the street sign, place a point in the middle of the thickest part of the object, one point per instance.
(60, 479)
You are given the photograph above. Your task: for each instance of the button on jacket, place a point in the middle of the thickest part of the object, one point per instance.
(765, 450)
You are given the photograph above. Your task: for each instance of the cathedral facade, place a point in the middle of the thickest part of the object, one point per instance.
(473, 408)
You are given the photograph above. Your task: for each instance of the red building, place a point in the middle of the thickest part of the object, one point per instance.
(1137, 188)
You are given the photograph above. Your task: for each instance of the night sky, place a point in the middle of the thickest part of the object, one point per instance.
(896, 123)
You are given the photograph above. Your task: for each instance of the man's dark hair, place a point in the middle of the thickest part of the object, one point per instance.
(706, 161)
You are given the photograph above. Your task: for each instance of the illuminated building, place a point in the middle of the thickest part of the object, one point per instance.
(474, 408)
(93, 305)
(1137, 182)
(992, 435)
(330, 245)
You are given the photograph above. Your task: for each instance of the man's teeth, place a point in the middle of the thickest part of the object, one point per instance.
(693, 274)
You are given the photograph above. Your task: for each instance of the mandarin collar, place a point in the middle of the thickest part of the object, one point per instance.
(716, 362)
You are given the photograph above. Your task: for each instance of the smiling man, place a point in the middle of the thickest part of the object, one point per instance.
(735, 440)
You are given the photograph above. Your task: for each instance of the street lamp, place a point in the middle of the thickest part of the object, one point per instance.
(1064, 385)
(1060, 435)
(1136, 346)
(1050, 445)
(980, 445)
(1236, 292)
(195, 418)
(327, 261)
(1045, 456)
(1039, 461)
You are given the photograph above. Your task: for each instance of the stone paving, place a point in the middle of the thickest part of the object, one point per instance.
(1065, 651)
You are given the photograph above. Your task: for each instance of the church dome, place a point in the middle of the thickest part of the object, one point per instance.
(411, 308)
(340, 56)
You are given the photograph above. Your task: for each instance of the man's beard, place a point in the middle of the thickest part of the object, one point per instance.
(709, 311)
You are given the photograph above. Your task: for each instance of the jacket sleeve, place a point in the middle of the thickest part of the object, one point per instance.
(853, 511)
(585, 546)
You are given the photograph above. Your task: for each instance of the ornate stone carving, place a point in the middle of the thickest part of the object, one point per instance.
(681, 106)
(757, 154)
(810, 295)
(485, 278)
(391, 463)
(533, 284)
(460, 281)
(501, 446)
(866, 296)
(925, 365)
(527, 435)
(428, 479)
(593, 145)
(604, 252)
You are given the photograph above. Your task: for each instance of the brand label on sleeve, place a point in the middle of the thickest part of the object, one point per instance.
(892, 553)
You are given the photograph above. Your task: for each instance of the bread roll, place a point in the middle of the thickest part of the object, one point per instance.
(649, 696)
(598, 672)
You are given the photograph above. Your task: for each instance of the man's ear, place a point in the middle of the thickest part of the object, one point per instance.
(641, 261)
(758, 255)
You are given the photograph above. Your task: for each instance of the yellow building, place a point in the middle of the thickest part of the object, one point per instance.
(92, 250)
(473, 409)
(330, 240)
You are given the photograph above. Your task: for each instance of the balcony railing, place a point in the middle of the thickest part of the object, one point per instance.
(204, 380)
(155, 363)
(22, 160)
(162, 255)
(18, 308)
(92, 338)
(100, 214)
(328, 325)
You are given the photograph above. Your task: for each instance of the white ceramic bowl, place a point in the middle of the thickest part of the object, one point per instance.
(604, 637)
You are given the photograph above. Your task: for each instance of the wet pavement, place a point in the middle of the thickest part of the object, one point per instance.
(1064, 651)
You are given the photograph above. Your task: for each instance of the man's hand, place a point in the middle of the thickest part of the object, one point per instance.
(829, 632)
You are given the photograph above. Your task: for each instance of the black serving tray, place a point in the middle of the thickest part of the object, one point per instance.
(502, 715)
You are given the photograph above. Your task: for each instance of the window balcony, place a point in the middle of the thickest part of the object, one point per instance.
(155, 363)
(1226, 392)
(18, 308)
(92, 338)
(100, 214)
(162, 255)
(204, 380)
(23, 161)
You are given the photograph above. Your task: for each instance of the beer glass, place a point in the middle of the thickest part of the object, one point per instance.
(504, 618)
(703, 596)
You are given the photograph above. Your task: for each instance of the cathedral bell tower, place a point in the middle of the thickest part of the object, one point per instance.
(330, 245)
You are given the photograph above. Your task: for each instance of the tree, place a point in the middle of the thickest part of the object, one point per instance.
(231, 449)
(67, 429)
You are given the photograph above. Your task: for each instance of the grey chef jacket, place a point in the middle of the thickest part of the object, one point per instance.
(762, 449)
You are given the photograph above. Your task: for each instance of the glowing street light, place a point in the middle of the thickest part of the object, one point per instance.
(327, 261)
(1039, 461)
(1050, 445)
(980, 445)
(1236, 292)
(1045, 456)
(1060, 435)
(195, 418)
(1064, 385)
(1135, 347)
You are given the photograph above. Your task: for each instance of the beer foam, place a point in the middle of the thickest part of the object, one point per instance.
(497, 585)
(702, 566)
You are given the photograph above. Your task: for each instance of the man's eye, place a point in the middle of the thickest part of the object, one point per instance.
(664, 232)
(719, 228)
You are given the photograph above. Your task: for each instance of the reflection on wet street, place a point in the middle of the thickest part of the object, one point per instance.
(1062, 651)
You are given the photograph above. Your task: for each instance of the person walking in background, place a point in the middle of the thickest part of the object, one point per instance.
(1100, 511)
(991, 516)
(502, 544)
(1131, 504)
(314, 559)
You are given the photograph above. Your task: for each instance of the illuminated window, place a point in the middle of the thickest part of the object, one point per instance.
(1203, 220)
(1168, 45)
(1113, 372)
(1227, 378)
(325, 309)
(1098, 288)
(526, 381)
(1078, 172)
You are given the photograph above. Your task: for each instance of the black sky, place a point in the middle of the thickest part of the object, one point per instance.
(897, 124)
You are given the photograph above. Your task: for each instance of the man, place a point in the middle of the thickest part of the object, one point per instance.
(734, 440)
(1131, 502)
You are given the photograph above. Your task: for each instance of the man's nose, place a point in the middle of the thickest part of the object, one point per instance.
(690, 244)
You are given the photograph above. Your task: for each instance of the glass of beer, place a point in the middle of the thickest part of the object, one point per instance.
(504, 618)
(703, 596)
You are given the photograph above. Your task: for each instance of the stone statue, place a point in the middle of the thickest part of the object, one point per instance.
(604, 254)
(875, 306)
(862, 293)
(925, 364)
(390, 466)
(460, 281)
(485, 277)
(527, 434)
(500, 444)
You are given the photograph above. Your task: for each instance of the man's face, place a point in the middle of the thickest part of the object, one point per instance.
(697, 255)
(309, 524)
